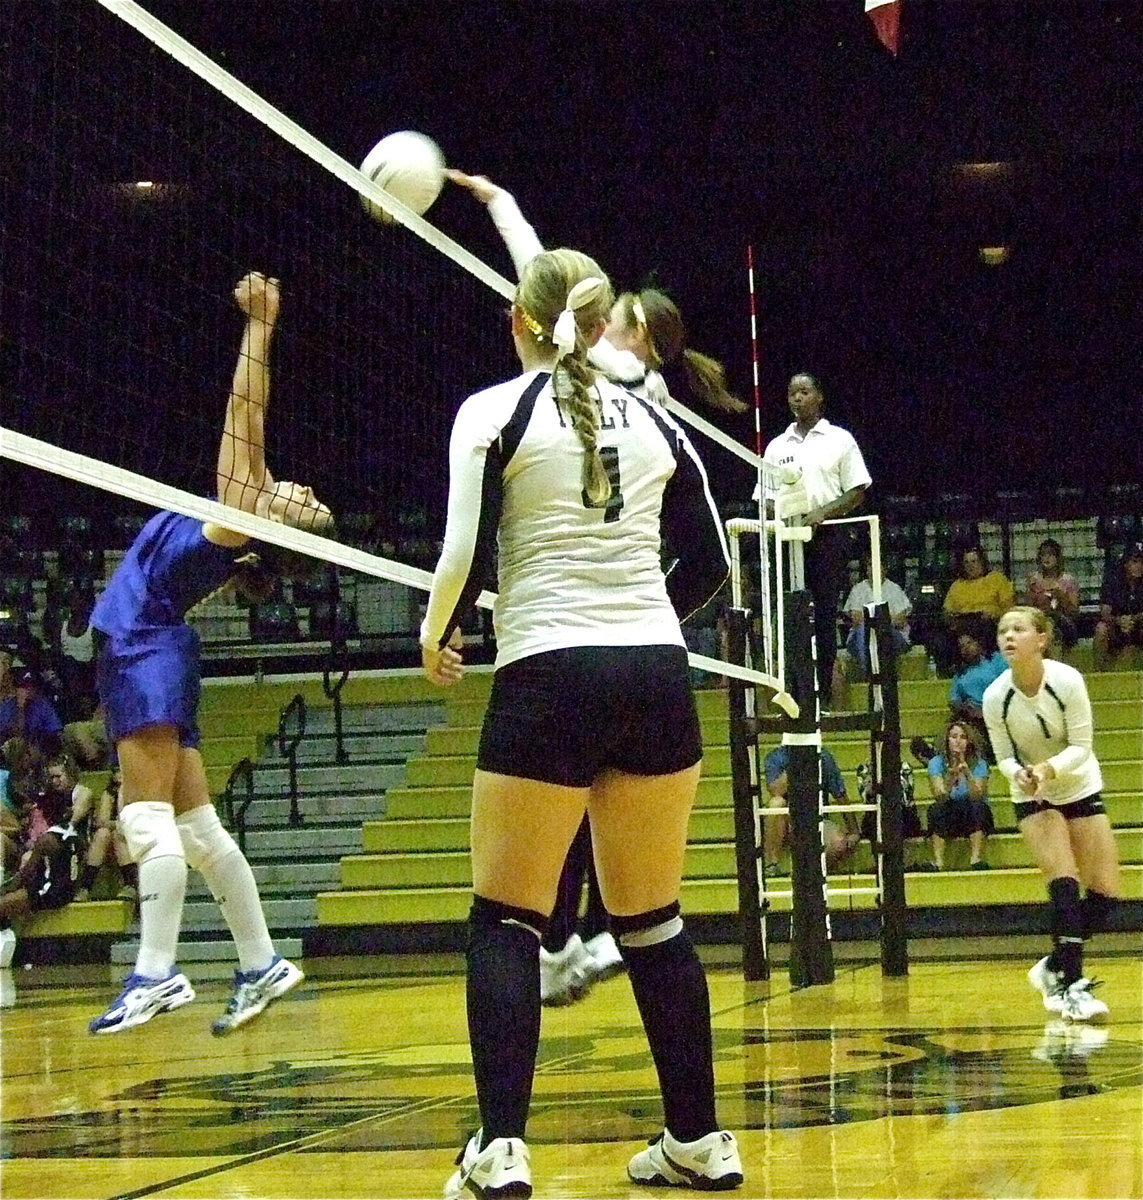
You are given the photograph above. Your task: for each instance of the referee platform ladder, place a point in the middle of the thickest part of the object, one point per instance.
(810, 891)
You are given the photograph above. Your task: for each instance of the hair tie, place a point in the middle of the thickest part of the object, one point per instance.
(564, 331)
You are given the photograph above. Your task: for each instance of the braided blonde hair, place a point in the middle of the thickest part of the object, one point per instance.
(552, 283)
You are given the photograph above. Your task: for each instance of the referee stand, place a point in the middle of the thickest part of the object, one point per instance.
(811, 947)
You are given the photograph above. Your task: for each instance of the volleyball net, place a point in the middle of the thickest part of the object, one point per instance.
(143, 180)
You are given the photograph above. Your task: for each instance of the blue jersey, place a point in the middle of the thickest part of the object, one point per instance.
(169, 568)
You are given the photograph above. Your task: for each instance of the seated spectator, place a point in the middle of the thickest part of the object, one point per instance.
(838, 840)
(44, 878)
(958, 780)
(977, 670)
(63, 782)
(861, 594)
(75, 654)
(1053, 591)
(29, 719)
(910, 819)
(1121, 607)
(106, 845)
(10, 820)
(978, 597)
(86, 741)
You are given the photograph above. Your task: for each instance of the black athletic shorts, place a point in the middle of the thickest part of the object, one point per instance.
(1089, 806)
(566, 715)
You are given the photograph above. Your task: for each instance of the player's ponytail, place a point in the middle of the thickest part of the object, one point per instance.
(657, 317)
(562, 296)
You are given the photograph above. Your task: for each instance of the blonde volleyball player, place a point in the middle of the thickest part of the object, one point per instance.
(1039, 722)
(148, 679)
(576, 483)
(642, 338)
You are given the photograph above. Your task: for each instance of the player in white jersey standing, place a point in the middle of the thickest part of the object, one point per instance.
(578, 484)
(1039, 722)
(643, 347)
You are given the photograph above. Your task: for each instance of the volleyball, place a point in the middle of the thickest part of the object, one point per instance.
(410, 167)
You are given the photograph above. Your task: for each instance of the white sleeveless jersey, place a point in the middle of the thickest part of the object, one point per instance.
(570, 574)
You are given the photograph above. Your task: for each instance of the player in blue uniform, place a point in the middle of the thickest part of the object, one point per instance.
(148, 678)
(578, 485)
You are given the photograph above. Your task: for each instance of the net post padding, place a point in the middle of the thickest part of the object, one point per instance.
(894, 934)
(746, 791)
(811, 951)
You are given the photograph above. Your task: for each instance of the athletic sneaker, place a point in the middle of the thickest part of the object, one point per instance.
(7, 947)
(1063, 1039)
(1047, 983)
(565, 975)
(1078, 1004)
(605, 957)
(141, 999)
(254, 990)
(709, 1165)
(500, 1169)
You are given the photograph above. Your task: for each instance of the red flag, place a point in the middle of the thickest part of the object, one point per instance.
(886, 18)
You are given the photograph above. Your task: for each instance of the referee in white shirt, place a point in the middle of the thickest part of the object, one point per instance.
(835, 478)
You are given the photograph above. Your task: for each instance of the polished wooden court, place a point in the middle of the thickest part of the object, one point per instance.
(951, 1081)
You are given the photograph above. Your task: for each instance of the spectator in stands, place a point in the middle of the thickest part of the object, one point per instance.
(104, 843)
(28, 718)
(1052, 590)
(1121, 607)
(977, 670)
(838, 839)
(86, 741)
(9, 819)
(861, 594)
(958, 781)
(75, 655)
(978, 596)
(44, 878)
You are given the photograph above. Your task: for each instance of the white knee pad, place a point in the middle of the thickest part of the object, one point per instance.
(205, 840)
(148, 828)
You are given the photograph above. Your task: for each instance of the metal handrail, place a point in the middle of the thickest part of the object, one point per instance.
(288, 747)
(243, 770)
(336, 661)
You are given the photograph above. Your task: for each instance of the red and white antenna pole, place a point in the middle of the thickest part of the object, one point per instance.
(754, 352)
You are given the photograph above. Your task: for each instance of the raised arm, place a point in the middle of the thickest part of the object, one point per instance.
(242, 475)
(510, 222)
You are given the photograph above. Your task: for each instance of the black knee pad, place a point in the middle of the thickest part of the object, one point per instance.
(648, 928)
(1067, 921)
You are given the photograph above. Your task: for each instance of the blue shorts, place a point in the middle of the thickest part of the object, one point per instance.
(567, 715)
(150, 678)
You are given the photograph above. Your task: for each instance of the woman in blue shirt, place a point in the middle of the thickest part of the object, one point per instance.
(958, 780)
(148, 678)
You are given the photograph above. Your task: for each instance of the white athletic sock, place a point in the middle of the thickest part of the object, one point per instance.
(232, 882)
(162, 887)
